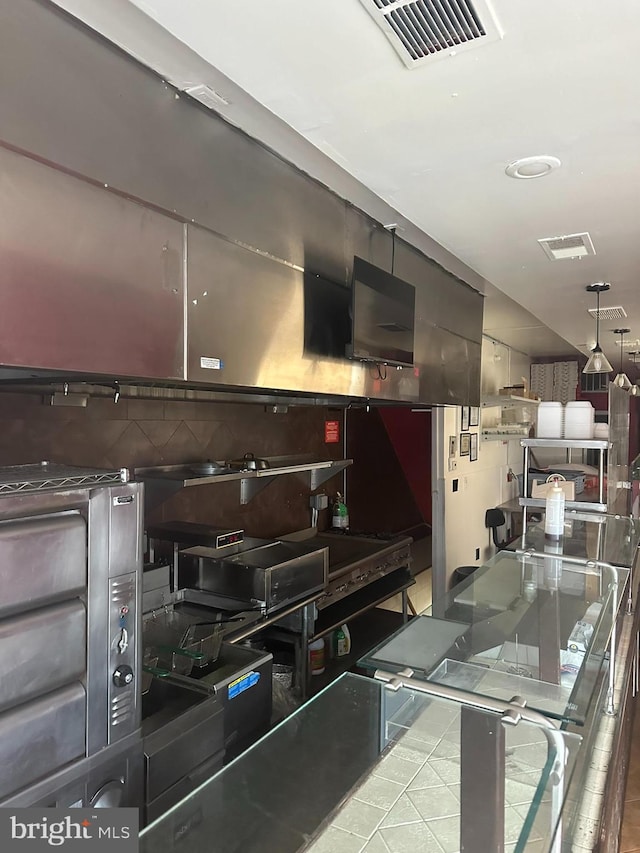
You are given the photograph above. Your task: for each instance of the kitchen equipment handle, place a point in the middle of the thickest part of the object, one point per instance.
(176, 650)
(218, 621)
(194, 684)
(154, 670)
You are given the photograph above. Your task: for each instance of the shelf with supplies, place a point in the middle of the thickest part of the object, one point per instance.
(508, 430)
(590, 500)
(163, 481)
(505, 432)
(506, 401)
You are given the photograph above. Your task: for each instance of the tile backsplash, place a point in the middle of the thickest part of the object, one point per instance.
(134, 433)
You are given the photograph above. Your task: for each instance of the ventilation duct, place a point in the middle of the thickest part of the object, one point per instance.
(422, 30)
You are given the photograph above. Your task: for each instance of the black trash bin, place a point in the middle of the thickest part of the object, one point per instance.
(460, 574)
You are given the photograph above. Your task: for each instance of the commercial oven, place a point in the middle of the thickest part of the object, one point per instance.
(70, 571)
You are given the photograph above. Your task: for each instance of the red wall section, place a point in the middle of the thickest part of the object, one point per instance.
(410, 436)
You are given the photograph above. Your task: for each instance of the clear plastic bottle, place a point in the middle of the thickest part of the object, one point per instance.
(554, 512)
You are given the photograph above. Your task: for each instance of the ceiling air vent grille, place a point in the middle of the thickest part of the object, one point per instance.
(207, 96)
(568, 246)
(616, 312)
(425, 29)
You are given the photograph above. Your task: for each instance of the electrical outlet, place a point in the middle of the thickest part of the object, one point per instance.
(319, 501)
(455, 485)
(453, 464)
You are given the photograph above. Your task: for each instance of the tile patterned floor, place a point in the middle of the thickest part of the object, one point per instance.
(411, 801)
(396, 823)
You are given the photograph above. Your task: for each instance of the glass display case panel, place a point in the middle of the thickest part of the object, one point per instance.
(542, 620)
(362, 765)
(591, 536)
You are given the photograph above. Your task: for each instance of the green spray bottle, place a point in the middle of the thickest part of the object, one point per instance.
(340, 516)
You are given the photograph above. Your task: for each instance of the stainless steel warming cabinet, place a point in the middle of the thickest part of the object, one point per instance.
(70, 570)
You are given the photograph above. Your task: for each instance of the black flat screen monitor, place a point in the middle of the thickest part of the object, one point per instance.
(382, 316)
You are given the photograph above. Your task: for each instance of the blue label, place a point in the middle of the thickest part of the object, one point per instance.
(241, 684)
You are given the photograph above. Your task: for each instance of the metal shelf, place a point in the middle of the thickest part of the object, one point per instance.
(592, 506)
(587, 503)
(495, 433)
(50, 475)
(567, 443)
(161, 482)
(506, 401)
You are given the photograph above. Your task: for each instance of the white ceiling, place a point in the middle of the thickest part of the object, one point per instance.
(433, 141)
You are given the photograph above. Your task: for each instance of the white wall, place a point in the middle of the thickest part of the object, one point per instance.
(482, 484)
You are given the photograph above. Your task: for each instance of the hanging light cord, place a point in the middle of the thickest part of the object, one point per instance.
(393, 249)
(621, 346)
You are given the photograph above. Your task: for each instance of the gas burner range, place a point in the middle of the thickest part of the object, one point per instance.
(382, 535)
(355, 561)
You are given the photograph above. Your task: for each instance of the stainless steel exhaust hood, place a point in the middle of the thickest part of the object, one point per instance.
(181, 265)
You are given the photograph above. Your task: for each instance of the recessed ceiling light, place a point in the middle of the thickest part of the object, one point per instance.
(532, 167)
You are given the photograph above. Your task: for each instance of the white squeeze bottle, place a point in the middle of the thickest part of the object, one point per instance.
(554, 512)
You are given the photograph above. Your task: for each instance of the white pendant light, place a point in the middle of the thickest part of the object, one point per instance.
(598, 362)
(622, 380)
(635, 389)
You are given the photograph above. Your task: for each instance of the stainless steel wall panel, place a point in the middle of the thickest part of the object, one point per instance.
(137, 137)
(441, 299)
(41, 736)
(42, 560)
(145, 142)
(88, 280)
(41, 651)
(243, 316)
(246, 329)
(367, 239)
(618, 484)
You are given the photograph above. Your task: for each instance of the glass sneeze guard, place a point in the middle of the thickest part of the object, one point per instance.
(609, 538)
(362, 765)
(535, 625)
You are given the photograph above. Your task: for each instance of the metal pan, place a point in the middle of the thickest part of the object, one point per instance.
(209, 469)
(249, 462)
